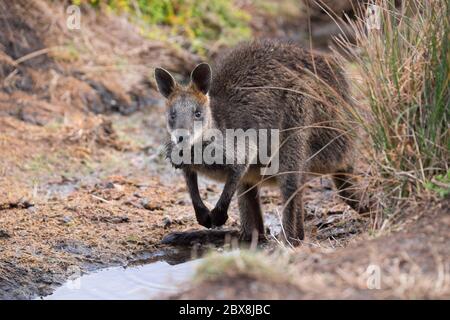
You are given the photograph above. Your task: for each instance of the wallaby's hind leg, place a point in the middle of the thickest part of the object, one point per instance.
(292, 220)
(291, 178)
(250, 212)
(346, 185)
(300, 216)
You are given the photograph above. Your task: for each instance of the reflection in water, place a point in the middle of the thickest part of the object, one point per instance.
(151, 281)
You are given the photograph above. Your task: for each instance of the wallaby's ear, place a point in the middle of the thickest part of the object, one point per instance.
(201, 77)
(165, 81)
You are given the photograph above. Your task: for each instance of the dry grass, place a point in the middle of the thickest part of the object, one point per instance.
(400, 101)
(404, 63)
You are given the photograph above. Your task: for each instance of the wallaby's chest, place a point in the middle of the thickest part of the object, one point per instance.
(220, 174)
(214, 172)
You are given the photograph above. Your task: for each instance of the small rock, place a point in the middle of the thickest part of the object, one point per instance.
(131, 202)
(145, 203)
(4, 235)
(166, 222)
(149, 205)
(32, 209)
(109, 185)
(120, 219)
(26, 204)
(118, 187)
(66, 219)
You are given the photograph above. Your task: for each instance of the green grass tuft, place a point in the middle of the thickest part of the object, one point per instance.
(196, 23)
(247, 263)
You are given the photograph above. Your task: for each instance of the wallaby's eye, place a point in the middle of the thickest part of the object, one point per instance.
(198, 114)
(172, 115)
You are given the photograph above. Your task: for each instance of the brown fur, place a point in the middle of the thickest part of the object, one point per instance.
(253, 87)
(189, 90)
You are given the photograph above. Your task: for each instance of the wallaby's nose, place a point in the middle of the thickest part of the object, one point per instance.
(180, 139)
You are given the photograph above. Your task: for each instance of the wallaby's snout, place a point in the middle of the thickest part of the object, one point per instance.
(187, 107)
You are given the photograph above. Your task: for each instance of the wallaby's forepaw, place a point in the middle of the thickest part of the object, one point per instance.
(218, 217)
(204, 218)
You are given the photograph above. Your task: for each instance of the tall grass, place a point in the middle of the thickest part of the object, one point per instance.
(404, 64)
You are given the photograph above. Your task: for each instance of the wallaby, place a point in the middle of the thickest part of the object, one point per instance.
(269, 85)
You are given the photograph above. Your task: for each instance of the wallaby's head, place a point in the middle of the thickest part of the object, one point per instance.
(187, 107)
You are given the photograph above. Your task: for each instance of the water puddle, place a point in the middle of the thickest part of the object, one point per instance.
(155, 280)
